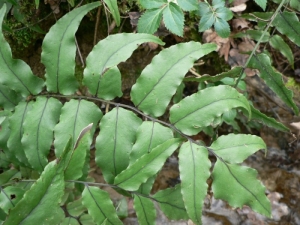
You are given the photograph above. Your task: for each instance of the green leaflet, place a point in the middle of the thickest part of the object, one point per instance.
(9, 175)
(145, 210)
(238, 186)
(288, 24)
(268, 121)
(114, 143)
(193, 177)
(234, 73)
(174, 19)
(149, 135)
(261, 3)
(200, 109)
(273, 79)
(280, 45)
(160, 79)
(75, 115)
(77, 159)
(59, 49)
(99, 206)
(15, 73)
(6, 155)
(101, 76)
(254, 34)
(171, 203)
(8, 98)
(113, 7)
(150, 21)
(146, 166)
(14, 144)
(235, 148)
(152, 4)
(6, 203)
(38, 128)
(76, 208)
(295, 4)
(188, 5)
(41, 201)
(69, 221)
(216, 15)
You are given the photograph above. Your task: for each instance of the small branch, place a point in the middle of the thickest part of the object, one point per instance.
(97, 25)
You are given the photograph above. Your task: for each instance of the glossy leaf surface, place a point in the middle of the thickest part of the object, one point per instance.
(99, 206)
(238, 186)
(59, 50)
(159, 80)
(116, 51)
(235, 148)
(193, 177)
(38, 128)
(75, 115)
(200, 109)
(15, 73)
(114, 143)
(146, 166)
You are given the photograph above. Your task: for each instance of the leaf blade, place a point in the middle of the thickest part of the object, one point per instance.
(190, 115)
(99, 206)
(59, 49)
(100, 66)
(146, 166)
(193, 177)
(145, 210)
(160, 80)
(173, 18)
(113, 7)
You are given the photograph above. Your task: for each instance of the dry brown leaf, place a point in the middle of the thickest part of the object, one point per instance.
(239, 2)
(246, 45)
(240, 24)
(239, 8)
(223, 44)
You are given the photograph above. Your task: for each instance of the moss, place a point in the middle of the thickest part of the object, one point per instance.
(294, 86)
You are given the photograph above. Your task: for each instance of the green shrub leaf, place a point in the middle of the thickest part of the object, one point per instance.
(41, 201)
(238, 186)
(15, 73)
(8, 98)
(222, 27)
(59, 50)
(113, 7)
(279, 44)
(235, 148)
(101, 76)
(152, 4)
(75, 115)
(14, 144)
(38, 127)
(188, 5)
(295, 4)
(145, 210)
(150, 21)
(99, 206)
(200, 109)
(268, 121)
(193, 177)
(273, 79)
(171, 203)
(288, 24)
(160, 80)
(77, 160)
(146, 166)
(6, 202)
(173, 19)
(112, 145)
(254, 34)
